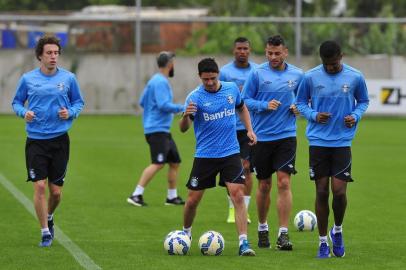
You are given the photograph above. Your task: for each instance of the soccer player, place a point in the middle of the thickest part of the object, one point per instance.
(211, 107)
(333, 97)
(53, 100)
(269, 93)
(237, 71)
(156, 100)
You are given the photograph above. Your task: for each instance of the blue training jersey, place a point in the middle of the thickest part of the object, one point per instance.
(232, 73)
(45, 96)
(341, 94)
(265, 84)
(214, 122)
(156, 99)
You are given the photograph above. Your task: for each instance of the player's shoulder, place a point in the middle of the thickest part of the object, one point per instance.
(253, 65)
(228, 66)
(352, 70)
(293, 68)
(194, 93)
(314, 71)
(264, 66)
(229, 86)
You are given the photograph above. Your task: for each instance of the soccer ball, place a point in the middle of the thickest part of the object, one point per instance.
(305, 220)
(211, 243)
(177, 243)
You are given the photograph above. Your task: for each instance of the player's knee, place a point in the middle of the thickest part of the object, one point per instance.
(322, 195)
(40, 187)
(173, 165)
(264, 186)
(284, 184)
(56, 195)
(339, 196)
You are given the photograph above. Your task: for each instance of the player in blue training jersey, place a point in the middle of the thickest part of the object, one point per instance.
(156, 100)
(53, 100)
(237, 71)
(211, 107)
(333, 97)
(269, 93)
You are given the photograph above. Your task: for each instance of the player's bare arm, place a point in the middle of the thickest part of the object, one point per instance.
(246, 120)
(185, 121)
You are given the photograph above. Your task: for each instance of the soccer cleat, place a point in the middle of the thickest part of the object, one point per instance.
(51, 227)
(263, 239)
(324, 251)
(245, 249)
(283, 242)
(136, 200)
(338, 243)
(175, 201)
(46, 240)
(231, 215)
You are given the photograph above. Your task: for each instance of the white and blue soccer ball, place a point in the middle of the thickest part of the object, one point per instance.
(177, 243)
(211, 243)
(305, 220)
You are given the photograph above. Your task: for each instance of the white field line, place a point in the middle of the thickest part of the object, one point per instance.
(78, 254)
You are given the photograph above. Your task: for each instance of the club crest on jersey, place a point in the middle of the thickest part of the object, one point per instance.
(291, 83)
(194, 181)
(345, 88)
(60, 86)
(230, 99)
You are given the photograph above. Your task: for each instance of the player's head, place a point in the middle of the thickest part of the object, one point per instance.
(47, 45)
(208, 73)
(165, 61)
(276, 52)
(241, 50)
(331, 55)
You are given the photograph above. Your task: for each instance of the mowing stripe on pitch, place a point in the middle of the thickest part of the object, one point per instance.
(80, 256)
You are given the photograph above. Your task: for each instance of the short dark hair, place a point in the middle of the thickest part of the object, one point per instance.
(275, 40)
(241, 40)
(39, 49)
(208, 65)
(329, 49)
(164, 58)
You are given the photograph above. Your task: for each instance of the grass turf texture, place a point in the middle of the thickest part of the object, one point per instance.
(108, 153)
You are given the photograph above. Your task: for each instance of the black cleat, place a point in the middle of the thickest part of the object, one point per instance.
(283, 242)
(263, 239)
(175, 201)
(136, 200)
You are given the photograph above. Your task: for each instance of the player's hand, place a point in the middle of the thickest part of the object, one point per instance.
(349, 121)
(274, 104)
(190, 109)
(323, 117)
(29, 116)
(253, 138)
(63, 113)
(294, 110)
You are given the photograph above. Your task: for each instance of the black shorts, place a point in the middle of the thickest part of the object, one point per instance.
(162, 148)
(330, 161)
(205, 170)
(47, 159)
(245, 148)
(272, 156)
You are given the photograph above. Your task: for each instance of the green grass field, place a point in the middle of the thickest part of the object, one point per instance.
(108, 154)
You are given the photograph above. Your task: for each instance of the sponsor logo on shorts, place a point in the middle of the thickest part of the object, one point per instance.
(160, 157)
(311, 172)
(32, 173)
(290, 166)
(347, 174)
(194, 181)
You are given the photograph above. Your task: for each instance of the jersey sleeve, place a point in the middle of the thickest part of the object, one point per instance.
(75, 98)
(361, 97)
(163, 99)
(303, 100)
(250, 89)
(20, 98)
